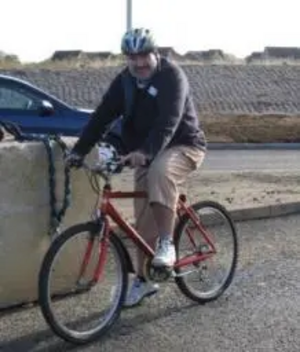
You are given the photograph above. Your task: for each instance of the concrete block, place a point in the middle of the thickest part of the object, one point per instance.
(25, 214)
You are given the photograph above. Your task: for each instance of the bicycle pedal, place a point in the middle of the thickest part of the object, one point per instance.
(160, 273)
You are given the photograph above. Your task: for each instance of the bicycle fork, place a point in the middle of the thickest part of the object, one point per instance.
(100, 238)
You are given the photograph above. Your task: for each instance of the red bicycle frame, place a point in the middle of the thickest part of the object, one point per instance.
(108, 210)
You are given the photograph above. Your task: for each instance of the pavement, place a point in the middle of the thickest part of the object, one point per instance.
(253, 183)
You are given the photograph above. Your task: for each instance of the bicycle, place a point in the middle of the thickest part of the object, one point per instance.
(104, 255)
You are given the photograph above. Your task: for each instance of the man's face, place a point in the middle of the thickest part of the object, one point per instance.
(142, 66)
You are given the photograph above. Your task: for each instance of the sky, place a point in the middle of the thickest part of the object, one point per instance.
(34, 29)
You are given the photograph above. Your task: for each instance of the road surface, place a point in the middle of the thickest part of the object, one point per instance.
(252, 160)
(260, 311)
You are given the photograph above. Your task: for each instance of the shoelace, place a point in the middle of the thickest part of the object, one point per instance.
(164, 245)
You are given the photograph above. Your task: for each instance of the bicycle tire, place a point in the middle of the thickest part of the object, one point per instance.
(179, 232)
(44, 278)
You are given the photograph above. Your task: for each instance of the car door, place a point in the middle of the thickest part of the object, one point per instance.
(24, 108)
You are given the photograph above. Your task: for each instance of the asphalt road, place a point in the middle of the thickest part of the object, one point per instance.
(260, 311)
(249, 160)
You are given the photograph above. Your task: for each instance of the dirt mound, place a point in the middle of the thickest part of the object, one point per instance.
(252, 129)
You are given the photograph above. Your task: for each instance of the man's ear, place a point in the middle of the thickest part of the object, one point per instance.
(1, 135)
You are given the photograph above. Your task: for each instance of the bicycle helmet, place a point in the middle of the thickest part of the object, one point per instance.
(138, 41)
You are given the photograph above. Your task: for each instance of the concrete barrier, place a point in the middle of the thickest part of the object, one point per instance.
(25, 214)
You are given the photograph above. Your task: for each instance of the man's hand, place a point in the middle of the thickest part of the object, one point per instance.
(74, 160)
(135, 159)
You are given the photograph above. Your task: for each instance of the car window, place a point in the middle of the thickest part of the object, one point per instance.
(16, 99)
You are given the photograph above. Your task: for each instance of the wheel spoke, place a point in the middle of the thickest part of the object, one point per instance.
(214, 243)
(76, 306)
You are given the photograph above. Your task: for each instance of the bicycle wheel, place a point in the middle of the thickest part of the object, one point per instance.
(205, 280)
(76, 309)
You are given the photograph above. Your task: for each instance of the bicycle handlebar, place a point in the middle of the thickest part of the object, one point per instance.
(103, 168)
(112, 167)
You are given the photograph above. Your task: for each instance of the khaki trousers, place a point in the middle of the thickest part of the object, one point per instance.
(161, 180)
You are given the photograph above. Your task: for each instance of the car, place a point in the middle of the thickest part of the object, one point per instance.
(35, 111)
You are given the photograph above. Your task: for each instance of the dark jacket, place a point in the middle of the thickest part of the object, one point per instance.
(162, 115)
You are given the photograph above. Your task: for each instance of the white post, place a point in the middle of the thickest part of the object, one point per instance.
(129, 14)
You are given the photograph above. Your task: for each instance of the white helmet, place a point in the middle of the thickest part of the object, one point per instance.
(138, 41)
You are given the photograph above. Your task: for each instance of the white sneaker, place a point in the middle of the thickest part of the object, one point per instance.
(138, 291)
(165, 254)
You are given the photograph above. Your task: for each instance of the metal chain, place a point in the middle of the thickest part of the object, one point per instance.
(59, 214)
(56, 215)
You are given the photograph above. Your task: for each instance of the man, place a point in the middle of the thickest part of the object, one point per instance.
(162, 128)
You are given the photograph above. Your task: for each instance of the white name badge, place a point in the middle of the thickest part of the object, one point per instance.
(152, 91)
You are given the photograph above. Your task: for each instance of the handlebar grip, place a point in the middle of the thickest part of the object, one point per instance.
(128, 164)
